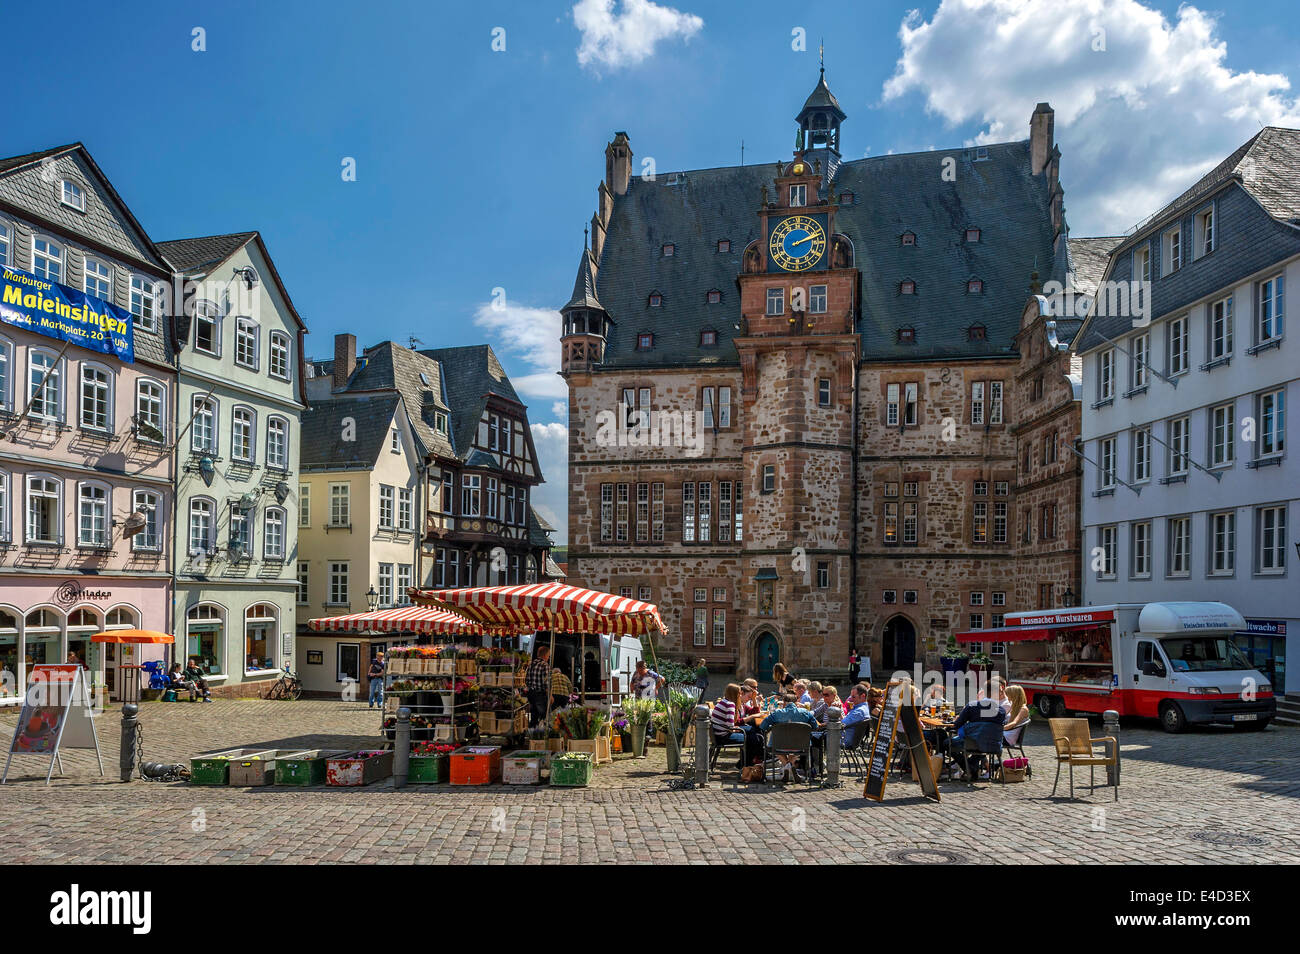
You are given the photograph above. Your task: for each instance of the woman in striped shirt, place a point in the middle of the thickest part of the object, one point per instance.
(725, 719)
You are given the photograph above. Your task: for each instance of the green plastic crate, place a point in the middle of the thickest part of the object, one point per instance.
(572, 772)
(304, 768)
(214, 769)
(428, 770)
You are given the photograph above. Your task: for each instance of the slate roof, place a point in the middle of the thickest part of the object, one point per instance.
(821, 97)
(470, 374)
(203, 254)
(388, 366)
(323, 446)
(584, 284)
(539, 531)
(1088, 260)
(893, 194)
(14, 162)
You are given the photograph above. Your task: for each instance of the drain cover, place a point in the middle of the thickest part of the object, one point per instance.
(1228, 839)
(926, 856)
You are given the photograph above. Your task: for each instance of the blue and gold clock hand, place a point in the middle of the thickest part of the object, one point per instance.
(806, 238)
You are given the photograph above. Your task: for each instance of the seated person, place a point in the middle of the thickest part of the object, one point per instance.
(1017, 715)
(981, 721)
(176, 680)
(789, 711)
(194, 673)
(725, 720)
(875, 699)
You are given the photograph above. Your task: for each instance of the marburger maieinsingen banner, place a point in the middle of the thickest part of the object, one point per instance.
(57, 311)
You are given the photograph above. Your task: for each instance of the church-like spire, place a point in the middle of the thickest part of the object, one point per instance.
(584, 285)
(819, 120)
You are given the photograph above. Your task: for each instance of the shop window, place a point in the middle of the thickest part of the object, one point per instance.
(204, 636)
(261, 625)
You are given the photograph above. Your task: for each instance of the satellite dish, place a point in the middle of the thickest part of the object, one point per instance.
(1052, 341)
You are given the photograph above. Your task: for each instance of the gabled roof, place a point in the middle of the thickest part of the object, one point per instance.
(389, 366)
(539, 531)
(323, 443)
(15, 162)
(471, 374)
(893, 194)
(1088, 260)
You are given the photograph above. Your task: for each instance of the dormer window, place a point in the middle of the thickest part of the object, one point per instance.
(847, 198)
(977, 333)
(645, 341)
(71, 195)
(909, 238)
(724, 245)
(974, 287)
(798, 195)
(981, 153)
(907, 287)
(424, 379)
(907, 336)
(972, 235)
(656, 299)
(715, 297)
(708, 338)
(668, 250)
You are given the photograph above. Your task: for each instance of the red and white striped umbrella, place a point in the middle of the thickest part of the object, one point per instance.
(550, 606)
(407, 619)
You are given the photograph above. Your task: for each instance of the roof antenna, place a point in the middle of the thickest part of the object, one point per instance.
(742, 152)
(413, 342)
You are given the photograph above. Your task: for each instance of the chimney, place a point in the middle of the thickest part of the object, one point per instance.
(345, 360)
(618, 164)
(1040, 137)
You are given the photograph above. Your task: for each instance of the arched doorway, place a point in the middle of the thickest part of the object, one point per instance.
(767, 653)
(898, 645)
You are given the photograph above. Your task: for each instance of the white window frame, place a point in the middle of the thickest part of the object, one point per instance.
(143, 299)
(798, 195)
(1270, 309)
(387, 506)
(816, 299)
(304, 505)
(1270, 541)
(215, 321)
(1177, 346)
(270, 517)
(1178, 532)
(340, 505)
(1178, 458)
(28, 537)
(892, 407)
(72, 194)
(1141, 360)
(384, 583)
(724, 406)
(1142, 262)
(406, 508)
(6, 505)
(1171, 250)
(1203, 233)
(277, 458)
(250, 438)
(247, 330)
(209, 541)
(54, 258)
(282, 347)
(1141, 455)
(304, 582)
(1221, 434)
(150, 502)
(911, 405)
(1222, 526)
(1270, 441)
(775, 302)
(6, 243)
(1107, 460)
(198, 401)
(1107, 537)
(161, 422)
(339, 578)
(104, 387)
(977, 402)
(100, 496)
(1218, 328)
(103, 274)
(1140, 544)
(1106, 375)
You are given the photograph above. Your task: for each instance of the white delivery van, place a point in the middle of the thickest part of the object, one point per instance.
(599, 667)
(1176, 662)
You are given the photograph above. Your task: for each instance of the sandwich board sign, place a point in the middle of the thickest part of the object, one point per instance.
(899, 706)
(56, 715)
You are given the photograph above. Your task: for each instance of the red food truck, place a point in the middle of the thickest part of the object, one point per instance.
(1176, 662)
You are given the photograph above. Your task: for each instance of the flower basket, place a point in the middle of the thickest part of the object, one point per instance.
(428, 769)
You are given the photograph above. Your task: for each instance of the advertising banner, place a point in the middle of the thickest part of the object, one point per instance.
(57, 311)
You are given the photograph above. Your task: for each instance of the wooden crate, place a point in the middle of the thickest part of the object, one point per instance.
(467, 666)
(444, 666)
(399, 666)
(450, 733)
(597, 748)
(487, 677)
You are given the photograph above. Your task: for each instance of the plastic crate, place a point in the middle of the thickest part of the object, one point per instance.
(214, 769)
(359, 768)
(258, 769)
(428, 770)
(304, 768)
(476, 768)
(575, 770)
(522, 767)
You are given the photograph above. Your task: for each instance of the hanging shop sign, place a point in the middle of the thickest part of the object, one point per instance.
(66, 314)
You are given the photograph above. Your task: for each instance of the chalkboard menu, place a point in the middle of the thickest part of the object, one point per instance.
(882, 744)
(919, 752)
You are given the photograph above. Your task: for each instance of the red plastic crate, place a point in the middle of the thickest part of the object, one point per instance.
(476, 768)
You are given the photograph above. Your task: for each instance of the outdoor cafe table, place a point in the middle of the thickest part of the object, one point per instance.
(931, 728)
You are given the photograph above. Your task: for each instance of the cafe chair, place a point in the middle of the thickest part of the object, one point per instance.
(1015, 745)
(981, 760)
(717, 743)
(854, 752)
(789, 738)
(1074, 746)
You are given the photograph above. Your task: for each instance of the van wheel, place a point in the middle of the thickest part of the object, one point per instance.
(1172, 718)
(1050, 708)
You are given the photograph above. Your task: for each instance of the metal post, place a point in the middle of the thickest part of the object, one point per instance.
(834, 730)
(702, 734)
(402, 748)
(130, 725)
(1110, 724)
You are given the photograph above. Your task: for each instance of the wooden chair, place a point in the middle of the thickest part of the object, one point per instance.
(1074, 746)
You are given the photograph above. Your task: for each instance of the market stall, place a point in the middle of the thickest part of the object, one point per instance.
(1055, 654)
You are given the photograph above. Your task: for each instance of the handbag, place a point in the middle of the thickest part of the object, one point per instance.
(752, 773)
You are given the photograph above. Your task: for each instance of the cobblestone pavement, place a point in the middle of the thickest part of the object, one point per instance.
(1206, 796)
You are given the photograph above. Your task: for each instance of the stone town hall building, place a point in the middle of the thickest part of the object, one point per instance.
(799, 417)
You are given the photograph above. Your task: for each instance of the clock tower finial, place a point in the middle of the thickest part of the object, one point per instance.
(819, 123)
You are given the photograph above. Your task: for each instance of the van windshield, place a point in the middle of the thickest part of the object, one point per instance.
(1204, 654)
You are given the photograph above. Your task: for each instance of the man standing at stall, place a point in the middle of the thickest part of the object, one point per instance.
(537, 683)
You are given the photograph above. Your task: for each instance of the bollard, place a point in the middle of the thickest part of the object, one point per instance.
(402, 748)
(130, 725)
(702, 735)
(1110, 725)
(834, 732)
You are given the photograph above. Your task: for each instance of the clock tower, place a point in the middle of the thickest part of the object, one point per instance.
(799, 350)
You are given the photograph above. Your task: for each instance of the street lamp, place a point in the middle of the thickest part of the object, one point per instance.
(372, 598)
(1069, 596)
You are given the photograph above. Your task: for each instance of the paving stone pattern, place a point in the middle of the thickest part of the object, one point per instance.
(1207, 796)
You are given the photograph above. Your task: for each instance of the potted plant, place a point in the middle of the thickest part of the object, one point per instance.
(952, 659)
(639, 712)
(979, 663)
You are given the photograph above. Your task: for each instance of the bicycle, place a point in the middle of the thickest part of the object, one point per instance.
(287, 686)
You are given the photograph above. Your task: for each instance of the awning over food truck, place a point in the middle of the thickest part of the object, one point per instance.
(1020, 634)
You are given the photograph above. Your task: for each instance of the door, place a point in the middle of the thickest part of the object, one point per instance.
(349, 663)
(1149, 677)
(767, 653)
(898, 645)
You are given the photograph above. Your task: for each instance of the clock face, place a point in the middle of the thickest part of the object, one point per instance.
(797, 243)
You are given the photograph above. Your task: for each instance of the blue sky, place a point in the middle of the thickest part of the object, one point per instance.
(477, 169)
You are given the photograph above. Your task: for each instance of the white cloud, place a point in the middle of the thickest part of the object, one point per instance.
(560, 409)
(1144, 105)
(551, 499)
(629, 36)
(533, 335)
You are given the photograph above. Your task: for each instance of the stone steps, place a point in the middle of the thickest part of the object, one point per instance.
(1288, 709)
